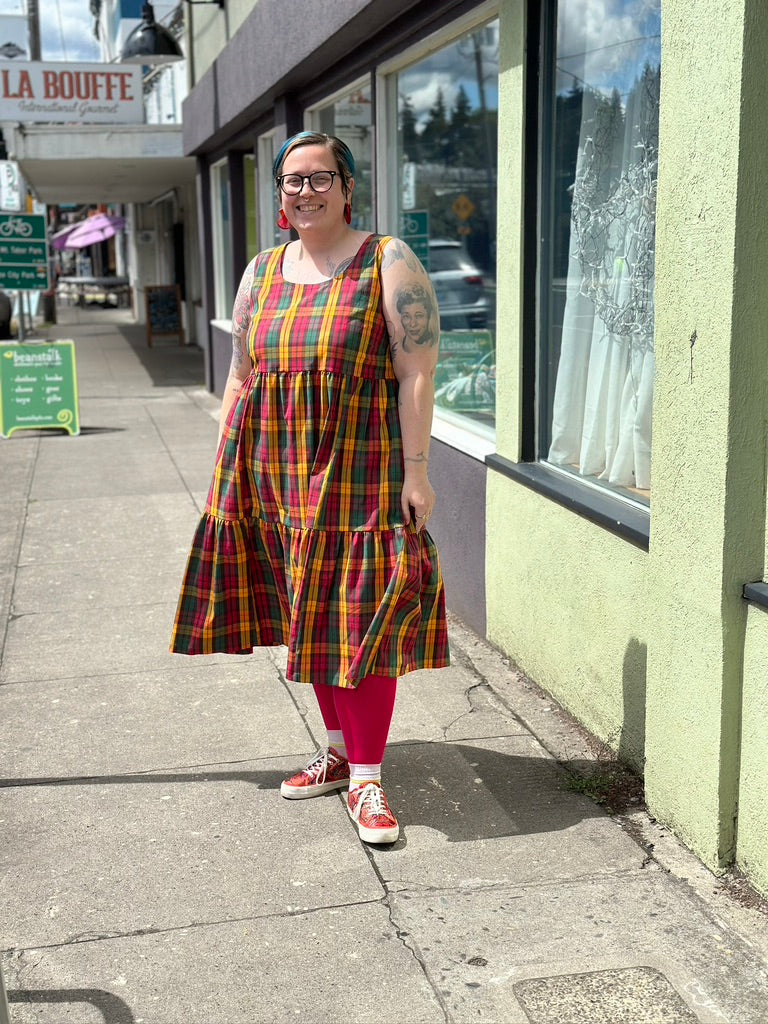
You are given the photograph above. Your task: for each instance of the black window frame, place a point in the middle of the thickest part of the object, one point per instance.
(607, 510)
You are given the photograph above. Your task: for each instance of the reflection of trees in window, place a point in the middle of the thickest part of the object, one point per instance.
(614, 208)
(435, 138)
(463, 132)
(450, 137)
(410, 144)
(568, 121)
(454, 148)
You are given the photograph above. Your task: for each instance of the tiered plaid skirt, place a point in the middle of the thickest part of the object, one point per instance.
(303, 541)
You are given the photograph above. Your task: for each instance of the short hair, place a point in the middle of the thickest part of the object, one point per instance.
(341, 152)
(416, 293)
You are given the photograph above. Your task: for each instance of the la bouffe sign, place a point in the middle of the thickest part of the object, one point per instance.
(38, 387)
(65, 93)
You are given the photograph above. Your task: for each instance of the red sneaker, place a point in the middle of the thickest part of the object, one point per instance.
(368, 807)
(326, 771)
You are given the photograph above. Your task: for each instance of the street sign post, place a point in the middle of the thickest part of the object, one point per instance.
(23, 252)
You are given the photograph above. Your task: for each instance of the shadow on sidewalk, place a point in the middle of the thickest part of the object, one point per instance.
(169, 364)
(112, 1008)
(465, 792)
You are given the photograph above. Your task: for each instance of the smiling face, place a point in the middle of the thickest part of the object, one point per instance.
(309, 211)
(415, 320)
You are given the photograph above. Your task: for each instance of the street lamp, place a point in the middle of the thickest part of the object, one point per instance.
(150, 43)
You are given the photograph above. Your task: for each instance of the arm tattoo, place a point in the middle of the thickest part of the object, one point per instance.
(241, 318)
(237, 352)
(398, 250)
(394, 344)
(241, 313)
(421, 457)
(418, 317)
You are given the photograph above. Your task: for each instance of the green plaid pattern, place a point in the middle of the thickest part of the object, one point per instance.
(303, 541)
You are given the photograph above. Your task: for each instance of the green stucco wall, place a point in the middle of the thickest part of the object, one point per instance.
(707, 524)
(603, 626)
(566, 600)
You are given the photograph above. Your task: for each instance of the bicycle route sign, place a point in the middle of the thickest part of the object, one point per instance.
(415, 231)
(38, 387)
(23, 252)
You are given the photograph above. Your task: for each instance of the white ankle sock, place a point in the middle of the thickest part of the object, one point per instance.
(360, 774)
(336, 740)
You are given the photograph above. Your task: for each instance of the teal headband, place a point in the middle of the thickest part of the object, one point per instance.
(341, 150)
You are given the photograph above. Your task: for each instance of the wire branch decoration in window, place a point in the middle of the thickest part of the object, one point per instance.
(614, 218)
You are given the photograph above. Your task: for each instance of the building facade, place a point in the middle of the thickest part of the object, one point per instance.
(89, 153)
(583, 182)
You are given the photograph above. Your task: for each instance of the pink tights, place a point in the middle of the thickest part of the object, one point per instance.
(363, 714)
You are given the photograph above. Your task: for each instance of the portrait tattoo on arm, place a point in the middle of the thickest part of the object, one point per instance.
(418, 317)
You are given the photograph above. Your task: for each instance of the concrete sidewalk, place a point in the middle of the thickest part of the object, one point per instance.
(151, 873)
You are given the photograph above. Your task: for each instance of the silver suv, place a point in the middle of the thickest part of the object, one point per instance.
(458, 285)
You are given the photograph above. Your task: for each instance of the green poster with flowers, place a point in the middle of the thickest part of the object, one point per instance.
(38, 387)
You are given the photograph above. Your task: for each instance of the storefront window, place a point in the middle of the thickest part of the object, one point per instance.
(348, 117)
(251, 214)
(447, 107)
(269, 233)
(598, 212)
(222, 244)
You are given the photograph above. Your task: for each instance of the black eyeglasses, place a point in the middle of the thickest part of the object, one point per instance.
(319, 181)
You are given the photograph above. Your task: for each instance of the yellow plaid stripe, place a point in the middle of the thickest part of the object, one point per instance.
(303, 541)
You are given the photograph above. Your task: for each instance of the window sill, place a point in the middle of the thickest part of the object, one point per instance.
(757, 593)
(602, 508)
(473, 443)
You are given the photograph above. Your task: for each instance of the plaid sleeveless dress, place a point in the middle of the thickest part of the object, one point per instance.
(303, 540)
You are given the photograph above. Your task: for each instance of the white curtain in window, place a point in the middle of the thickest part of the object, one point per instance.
(601, 420)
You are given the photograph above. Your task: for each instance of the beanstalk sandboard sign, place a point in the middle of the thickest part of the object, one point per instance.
(38, 387)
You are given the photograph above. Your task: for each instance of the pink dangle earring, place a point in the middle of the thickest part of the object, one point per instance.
(282, 221)
(348, 212)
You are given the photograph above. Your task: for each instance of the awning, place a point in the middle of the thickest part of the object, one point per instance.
(92, 164)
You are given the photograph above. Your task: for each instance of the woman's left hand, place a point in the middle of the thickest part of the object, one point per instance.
(417, 500)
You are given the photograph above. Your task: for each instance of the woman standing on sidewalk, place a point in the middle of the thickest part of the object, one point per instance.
(314, 531)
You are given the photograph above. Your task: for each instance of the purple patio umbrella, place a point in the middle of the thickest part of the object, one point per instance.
(93, 230)
(59, 238)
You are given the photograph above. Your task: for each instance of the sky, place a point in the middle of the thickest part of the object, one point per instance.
(448, 68)
(603, 43)
(66, 28)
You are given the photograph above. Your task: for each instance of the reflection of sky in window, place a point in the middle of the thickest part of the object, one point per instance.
(450, 68)
(604, 44)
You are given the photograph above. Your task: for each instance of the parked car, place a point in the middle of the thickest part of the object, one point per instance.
(458, 285)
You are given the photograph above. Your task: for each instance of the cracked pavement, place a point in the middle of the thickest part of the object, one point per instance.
(151, 873)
